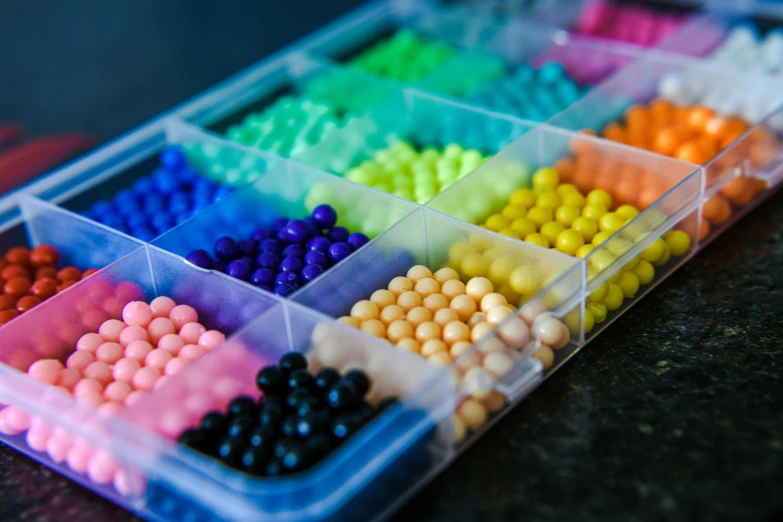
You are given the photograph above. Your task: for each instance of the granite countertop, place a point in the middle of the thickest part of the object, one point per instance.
(673, 413)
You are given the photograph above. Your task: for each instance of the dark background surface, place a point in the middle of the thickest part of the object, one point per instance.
(673, 413)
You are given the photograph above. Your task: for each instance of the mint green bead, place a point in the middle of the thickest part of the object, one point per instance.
(429, 156)
(421, 177)
(402, 181)
(453, 150)
(404, 193)
(232, 176)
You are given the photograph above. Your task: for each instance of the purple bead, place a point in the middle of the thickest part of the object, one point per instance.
(339, 251)
(290, 278)
(220, 266)
(296, 231)
(294, 251)
(280, 223)
(357, 240)
(324, 216)
(240, 268)
(248, 247)
(263, 276)
(338, 234)
(310, 272)
(284, 289)
(226, 249)
(270, 245)
(268, 260)
(314, 257)
(281, 236)
(201, 259)
(260, 234)
(319, 243)
(265, 287)
(291, 264)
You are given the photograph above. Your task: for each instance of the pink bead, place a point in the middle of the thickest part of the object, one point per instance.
(109, 353)
(68, 377)
(145, 378)
(102, 467)
(38, 434)
(159, 327)
(198, 403)
(182, 314)
(86, 386)
(122, 483)
(134, 397)
(90, 398)
(58, 445)
(137, 313)
(210, 339)
(175, 365)
(162, 306)
(191, 352)
(190, 332)
(172, 423)
(157, 358)
(113, 306)
(133, 333)
(226, 388)
(79, 455)
(109, 409)
(160, 382)
(99, 371)
(138, 350)
(128, 291)
(172, 343)
(81, 359)
(110, 330)
(92, 320)
(89, 342)
(16, 418)
(125, 369)
(5, 428)
(45, 370)
(117, 391)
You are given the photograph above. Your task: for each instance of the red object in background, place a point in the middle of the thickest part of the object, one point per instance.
(10, 133)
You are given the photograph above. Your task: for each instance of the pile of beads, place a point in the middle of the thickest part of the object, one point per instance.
(745, 49)
(111, 369)
(633, 24)
(30, 276)
(404, 57)
(285, 257)
(450, 78)
(300, 418)
(156, 203)
(405, 172)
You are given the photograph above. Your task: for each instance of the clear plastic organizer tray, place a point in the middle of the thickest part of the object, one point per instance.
(130, 454)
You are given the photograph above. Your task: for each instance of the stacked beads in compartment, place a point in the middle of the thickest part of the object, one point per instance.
(30, 276)
(171, 194)
(633, 24)
(745, 49)
(285, 257)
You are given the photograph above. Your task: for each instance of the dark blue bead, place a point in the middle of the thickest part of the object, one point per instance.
(339, 251)
(198, 206)
(201, 259)
(165, 181)
(143, 233)
(143, 186)
(310, 272)
(296, 231)
(279, 224)
(124, 197)
(294, 251)
(221, 192)
(161, 222)
(324, 216)
(315, 257)
(310, 222)
(226, 249)
(179, 205)
(270, 245)
(172, 158)
(220, 265)
(319, 243)
(357, 240)
(203, 185)
(265, 287)
(284, 290)
(248, 247)
(338, 234)
(101, 208)
(181, 217)
(154, 203)
(136, 221)
(263, 276)
(240, 268)
(290, 278)
(268, 260)
(260, 234)
(188, 174)
(291, 264)
(112, 220)
(128, 208)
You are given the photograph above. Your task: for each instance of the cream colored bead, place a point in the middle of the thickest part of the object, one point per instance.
(564, 338)
(472, 413)
(374, 327)
(445, 274)
(418, 315)
(492, 300)
(515, 333)
(496, 315)
(417, 272)
(531, 310)
(545, 355)
(441, 358)
(491, 344)
(445, 315)
(478, 317)
(409, 345)
(498, 363)
(459, 430)
(479, 331)
(409, 300)
(494, 402)
(548, 329)
(427, 286)
(350, 321)
(400, 285)
(428, 330)
(399, 330)
(435, 302)
(464, 305)
(478, 287)
(365, 310)
(455, 331)
(452, 288)
(478, 382)
(392, 313)
(459, 348)
(432, 347)
(383, 298)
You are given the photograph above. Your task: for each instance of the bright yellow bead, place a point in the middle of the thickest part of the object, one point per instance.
(549, 199)
(667, 254)
(614, 277)
(565, 188)
(566, 215)
(599, 293)
(510, 232)
(540, 215)
(459, 251)
(512, 212)
(594, 211)
(551, 230)
(614, 297)
(537, 239)
(569, 241)
(474, 265)
(523, 280)
(611, 222)
(585, 226)
(599, 197)
(584, 251)
(497, 222)
(601, 238)
(500, 270)
(589, 321)
(573, 199)
(524, 226)
(601, 260)
(629, 283)
(546, 178)
(619, 246)
(654, 252)
(645, 272)
(598, 310)
(633, 263)
(523, 198)
(573, 321)
(679, 242)
(627, 212)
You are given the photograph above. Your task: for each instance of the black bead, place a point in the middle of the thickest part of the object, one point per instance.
(295, 397)
(293, 361)
(385, 404)
(230, 451)
(301, 379)
(346, 425)
(288, 426)
(327, 378)
(319, 444)
(274, 468)
(295, 459)
(283, 446)
(214, 424)
(313, 423)
(307, 405)
(241, 427)
(263, 436)
(274, 401)
(342, 396)
(255, 460)
(270, 381)
(366, 410)
(193, 438)
(360, 381)
(242, 405)
(271, 414)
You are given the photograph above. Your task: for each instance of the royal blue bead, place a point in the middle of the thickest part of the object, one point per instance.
(198, 206)
(279, 224)
(310, 272)
(143, 186)
(324, 216)
(316, 257)
(220, 265)
(124, 197)
(291, 278)
(201, 259)
(270, 245)
(268, 260)
(203, 185)
(226, 249)
(179, 206)
(338, 234)
(112, 220)
(161, 222)
(282, 236)
(127, 208)
(102, 208)
(291, 264)
(165, 181)
(319, 243)
(284, 290)
(172, 158)
(357, 240)
(260, 234)
(143, 233)
(240, 268)
(221, 192)
(136, 221)
(263, 276)
(296, 231)
(339, 251)
(188, 175)
(154, 203)
(248, 247)
(294, 251)
(182, 217)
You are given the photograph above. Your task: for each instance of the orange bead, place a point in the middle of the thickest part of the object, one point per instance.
(44, 255)
(18, 255)
(698, 117)
(637, 118)
(580, 147)
(627, 191)
(735, 188)
(762, 153)
(614, 132)
(708, 146)
(583, 179)
(704, 229)
(691, 152)
(566, 167)
(667, 140)
(640, 138)
(650, 195)
(661, 112)
(717, 209)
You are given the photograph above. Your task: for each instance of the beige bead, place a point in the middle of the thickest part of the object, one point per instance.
(468, 361)
(428, 330)
(409, 345)
(494, 402)
(417, 272)
(409, 300)
(531, 310)
(400, 285)
(478, 287)
(383, 298)
(478, 382)
(515, 333)
(418, 315)
(464, 305)
(392, 313)
(445, 274)
(432, 347)
(472, 413)
(374, 327)
(478, 317)
(452, 288)
(459, 348)
(459, 430)
(497, 314)
(349, 320)
(480, 330)
(426, 286)
(548, 329)
(442, 359)
(456, 331)
(445, 315)
(564, 338)
(399, 330)
(365, 310)
(435, 302)
(491, 344)
(545, 355)
(498, 363)
(492, 300)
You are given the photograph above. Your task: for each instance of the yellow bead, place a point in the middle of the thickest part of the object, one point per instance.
(566, 215)
(619, 246)
(599, 197)
(512, 212)
(654, 252)
(458, 252)
(645, 272)
(573, 199)
(540, 215)
(566, 188)
(667, 254)
(569, 241)
(589, 321)
(549, 199)
(594, 211)
(584, 251)
(627, 212)
(629, 283)
(679, 242)
(586, 226)
(524, 226)
(614, 297)
(510, 232)
(500, 270)
(551, 230)
(633, 263)
(601, 238)
(599, 293)
(523, 198)
(497, 222)
(598, 310)
(546, 178)
(523, 280)
(537, 239)
(611, 222)
(474, 265)
(614, 277)
(601, 260)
